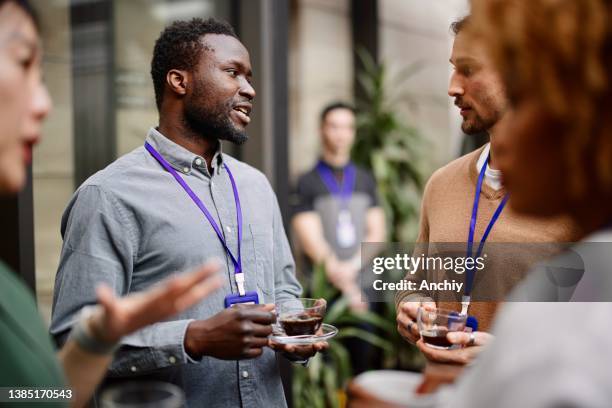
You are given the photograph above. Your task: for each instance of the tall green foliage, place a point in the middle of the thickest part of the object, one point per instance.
(389, 146)
(393, 150)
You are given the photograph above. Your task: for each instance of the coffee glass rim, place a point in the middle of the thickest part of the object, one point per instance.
(443, 312)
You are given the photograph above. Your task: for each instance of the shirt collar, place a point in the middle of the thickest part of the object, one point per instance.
(180, 158)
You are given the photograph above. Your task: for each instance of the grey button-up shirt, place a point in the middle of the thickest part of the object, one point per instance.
(132, 225)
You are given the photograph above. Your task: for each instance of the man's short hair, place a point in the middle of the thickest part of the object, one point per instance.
(458, 25)
(334, 106)
(180, 46)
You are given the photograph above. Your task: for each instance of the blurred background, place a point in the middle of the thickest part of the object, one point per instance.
(388, 57)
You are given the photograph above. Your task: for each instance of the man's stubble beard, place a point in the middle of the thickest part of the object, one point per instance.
(478, 124)
(211, 122)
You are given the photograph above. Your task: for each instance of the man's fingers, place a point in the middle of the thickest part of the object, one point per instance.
(261, 330)
(321, 302)
(258, 315)
(257, 342)
(431, 353)
(408, 325)
(268, 307)
(184, 282)
(252, 352)
(410, 309)
(198, 292)
(176, 286)
(429, 305)
(463, 338)
(452, 356)
(208, 269)
(106, 298)
(403, 319)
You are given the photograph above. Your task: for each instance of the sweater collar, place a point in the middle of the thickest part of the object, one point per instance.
(487, 191)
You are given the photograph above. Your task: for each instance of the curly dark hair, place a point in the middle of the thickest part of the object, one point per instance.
(180, 46)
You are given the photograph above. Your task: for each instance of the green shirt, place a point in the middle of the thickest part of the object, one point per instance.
(28, 357)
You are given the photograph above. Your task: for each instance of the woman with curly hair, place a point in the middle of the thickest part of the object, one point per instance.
(555, 60)
(555, 154)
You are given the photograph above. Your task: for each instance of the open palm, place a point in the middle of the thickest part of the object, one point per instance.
(124, 315)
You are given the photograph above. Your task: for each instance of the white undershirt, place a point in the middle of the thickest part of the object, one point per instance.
(492, 176)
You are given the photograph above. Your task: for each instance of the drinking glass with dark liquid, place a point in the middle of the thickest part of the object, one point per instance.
(435, 324)
(301, 316)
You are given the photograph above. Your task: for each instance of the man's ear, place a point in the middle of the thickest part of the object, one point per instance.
(177, 81)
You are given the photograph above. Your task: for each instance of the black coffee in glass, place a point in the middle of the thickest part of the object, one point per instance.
(301, 324)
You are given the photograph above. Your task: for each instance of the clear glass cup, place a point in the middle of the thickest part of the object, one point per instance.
(435, 324)
(143, 395)
(301, 316)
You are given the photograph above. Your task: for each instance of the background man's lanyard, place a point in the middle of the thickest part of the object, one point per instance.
(469, 281)
(342, 192)
(239, 275)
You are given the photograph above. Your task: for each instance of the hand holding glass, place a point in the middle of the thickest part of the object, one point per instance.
(435, 324)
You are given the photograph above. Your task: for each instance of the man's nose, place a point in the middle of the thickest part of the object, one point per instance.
(247, 90)
(455, 87)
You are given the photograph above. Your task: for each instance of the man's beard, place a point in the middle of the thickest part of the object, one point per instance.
(478, 123)
(211, 122)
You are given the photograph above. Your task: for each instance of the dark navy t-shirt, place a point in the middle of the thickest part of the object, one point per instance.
(311, 194)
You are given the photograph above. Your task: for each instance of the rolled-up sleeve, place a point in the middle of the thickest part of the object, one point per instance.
(100, 247)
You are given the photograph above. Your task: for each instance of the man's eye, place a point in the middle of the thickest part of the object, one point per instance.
(233, 72)
(466, 71)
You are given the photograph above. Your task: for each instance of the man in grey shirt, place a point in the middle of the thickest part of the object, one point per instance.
(134, 223)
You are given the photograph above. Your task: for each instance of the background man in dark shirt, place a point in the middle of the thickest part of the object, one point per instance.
(336, 206)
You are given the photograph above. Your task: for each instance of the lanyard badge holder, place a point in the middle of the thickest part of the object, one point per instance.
(466, 298)
(232, 299)
(346, 234)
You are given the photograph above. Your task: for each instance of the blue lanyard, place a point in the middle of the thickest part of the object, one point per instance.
(342, 192)
(237, 261)
(471, 272)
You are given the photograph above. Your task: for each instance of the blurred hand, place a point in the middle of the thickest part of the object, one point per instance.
(355, 299)
(343, 275)
(119, 317)
(464, 355)
(406, 319)
(235, 333)
(340, 273)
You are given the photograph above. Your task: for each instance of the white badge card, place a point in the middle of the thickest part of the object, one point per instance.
(345, 230)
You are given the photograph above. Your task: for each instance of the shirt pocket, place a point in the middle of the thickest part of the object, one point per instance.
(263, 244)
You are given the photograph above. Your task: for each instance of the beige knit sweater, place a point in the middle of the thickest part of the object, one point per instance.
(445, 216)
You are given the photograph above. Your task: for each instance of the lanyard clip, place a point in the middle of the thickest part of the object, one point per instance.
(240, 283)
(465, 304)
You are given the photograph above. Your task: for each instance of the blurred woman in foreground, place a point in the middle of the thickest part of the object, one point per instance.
(555, 60)
(28, 359)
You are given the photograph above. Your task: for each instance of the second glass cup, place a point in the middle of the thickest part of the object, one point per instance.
(435, 324)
